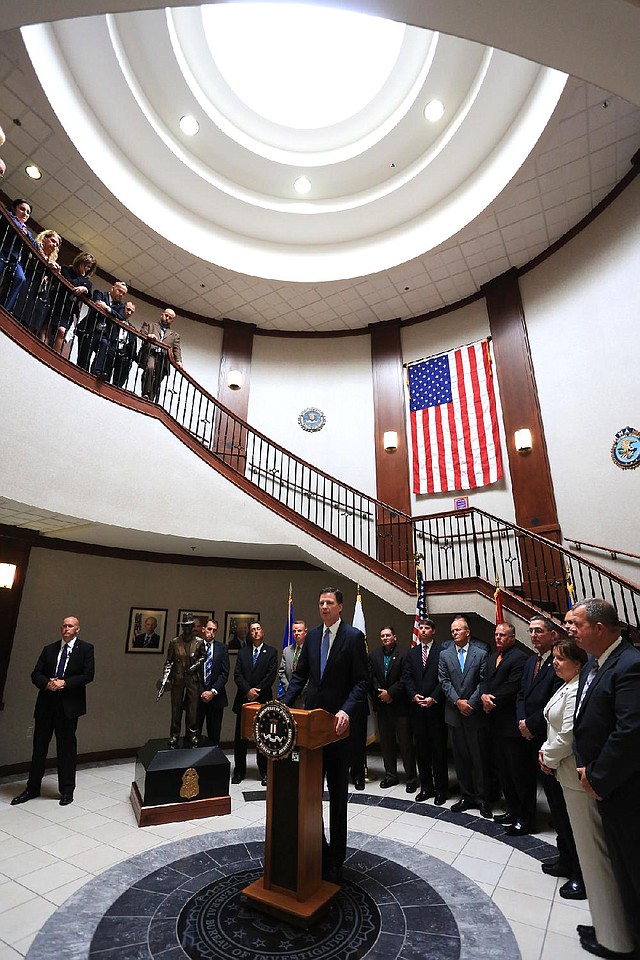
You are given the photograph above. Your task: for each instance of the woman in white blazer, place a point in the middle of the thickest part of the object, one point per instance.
(610, 929)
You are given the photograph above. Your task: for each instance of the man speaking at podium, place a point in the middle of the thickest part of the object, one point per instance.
(334, 662)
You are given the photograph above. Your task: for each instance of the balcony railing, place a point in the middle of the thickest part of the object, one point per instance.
(459, 546)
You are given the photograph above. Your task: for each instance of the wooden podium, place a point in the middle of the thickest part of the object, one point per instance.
(292, 887)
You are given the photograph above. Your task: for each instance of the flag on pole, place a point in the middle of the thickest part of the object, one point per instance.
(287, 639)
(571, 590)
(421, 602)
(358, 614)
(359, 622)
(454, 426)
(498, 599)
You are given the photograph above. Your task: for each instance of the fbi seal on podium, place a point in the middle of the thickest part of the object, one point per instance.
(274, 730)
(625, 450)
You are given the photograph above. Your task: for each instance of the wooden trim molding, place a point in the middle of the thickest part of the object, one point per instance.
(533, 496)
(392, 469)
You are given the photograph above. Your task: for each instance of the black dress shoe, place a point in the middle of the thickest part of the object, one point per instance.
(423, 795)
(586, 931)
(517, 829)
(439, 799)
(23, 797)
(236, 778)
(505, 818)
(173, 743)
(461, 805)
(411, 786)
(573, 890)
(385, 783)
(66, 800)
(591, 945)
(556, 869)
(359, 783)
(264, 781)
(486, 811)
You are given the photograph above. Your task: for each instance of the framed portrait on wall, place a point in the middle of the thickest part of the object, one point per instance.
(236, 629)
(199, 614)
(147, 629)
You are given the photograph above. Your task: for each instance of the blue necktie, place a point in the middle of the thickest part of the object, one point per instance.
(62, 662)
(255, 656)
(207, 665)
(461, 658)
(324, 650)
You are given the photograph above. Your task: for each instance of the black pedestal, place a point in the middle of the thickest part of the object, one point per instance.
(180, 784)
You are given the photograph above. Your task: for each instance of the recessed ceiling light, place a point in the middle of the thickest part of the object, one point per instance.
(189, 125)
(433, 110)
(303, 185)
(32, 171)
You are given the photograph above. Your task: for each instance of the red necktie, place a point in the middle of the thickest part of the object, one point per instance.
(424, 656)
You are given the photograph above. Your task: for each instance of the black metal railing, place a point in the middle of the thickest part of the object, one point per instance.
(472, 543)
(458, 546)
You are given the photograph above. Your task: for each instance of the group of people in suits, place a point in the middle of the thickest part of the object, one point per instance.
(569, 715)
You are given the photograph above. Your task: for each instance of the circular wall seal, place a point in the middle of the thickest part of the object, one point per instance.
(625, 450)
(274, 730)
(311, 419)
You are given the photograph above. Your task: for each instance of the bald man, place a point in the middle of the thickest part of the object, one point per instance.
(63, 670)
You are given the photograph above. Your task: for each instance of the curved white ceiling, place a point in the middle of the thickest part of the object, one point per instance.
(386, 185)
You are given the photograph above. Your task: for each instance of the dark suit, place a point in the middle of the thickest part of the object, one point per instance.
(466, 732)
(95, 331)
(429, 728)
(342, 686)
(247, 676)
(534, 694)
(502, 681)
(212, 710)
(607, 743)
(147, 640)
(57, 712)
(394, 724)
(123, 347)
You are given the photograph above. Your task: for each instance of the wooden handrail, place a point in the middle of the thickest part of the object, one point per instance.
(613, 552)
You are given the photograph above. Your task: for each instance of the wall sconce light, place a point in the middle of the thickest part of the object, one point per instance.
(390, 440)
(234, 380)
(523, 440)
(7, 575)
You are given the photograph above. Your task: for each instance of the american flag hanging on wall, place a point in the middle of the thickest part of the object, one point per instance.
(454, 427)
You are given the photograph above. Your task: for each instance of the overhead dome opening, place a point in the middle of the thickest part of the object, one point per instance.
(304, 67)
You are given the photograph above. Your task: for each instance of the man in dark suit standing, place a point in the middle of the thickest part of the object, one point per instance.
(461, 672)
(607, 746)
(499, 692)
(334, 663)
(95, 330)
(256, 669)
(61, 675)
(539, 682)
(392, 708)
(213, 674)
(423, 688)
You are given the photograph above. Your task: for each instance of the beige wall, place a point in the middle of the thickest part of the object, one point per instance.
(582, 308)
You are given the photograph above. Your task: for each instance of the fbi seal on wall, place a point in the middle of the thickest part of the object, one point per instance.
(274, 730)
(311, 419)
(625, 450)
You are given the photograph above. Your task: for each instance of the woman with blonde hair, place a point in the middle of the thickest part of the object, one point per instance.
(48, 244)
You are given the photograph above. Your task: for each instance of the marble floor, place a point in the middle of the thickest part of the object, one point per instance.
(48, 853)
